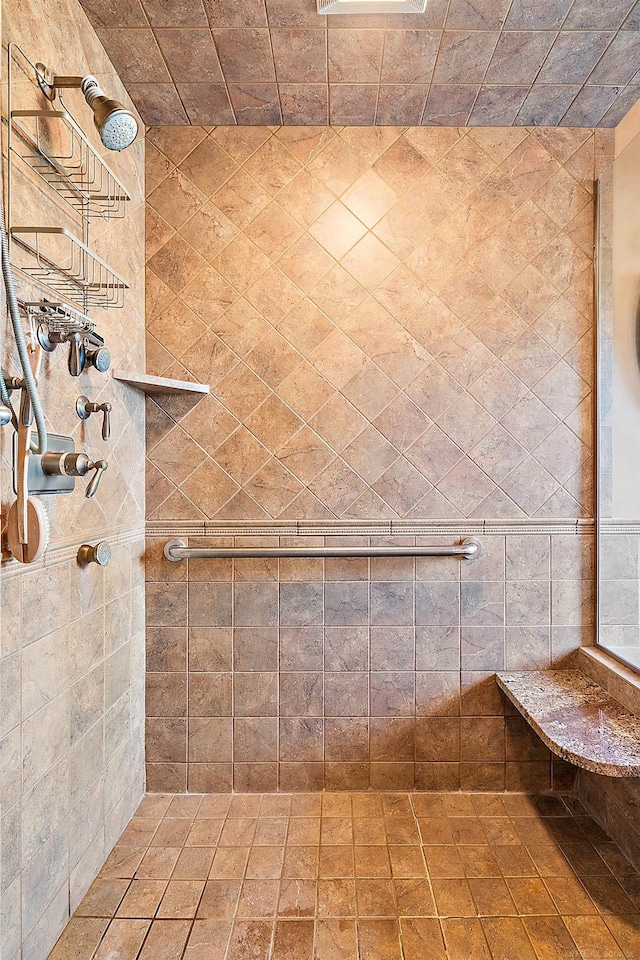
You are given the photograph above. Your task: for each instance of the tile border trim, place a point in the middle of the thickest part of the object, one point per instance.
(64, 550)
(620, 526)
(367, 528)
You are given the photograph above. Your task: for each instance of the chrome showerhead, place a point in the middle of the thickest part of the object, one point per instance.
(116, 125)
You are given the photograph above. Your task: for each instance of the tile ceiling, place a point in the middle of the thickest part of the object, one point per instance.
(475, 62)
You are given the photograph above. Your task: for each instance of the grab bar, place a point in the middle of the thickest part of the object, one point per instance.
(175, 550)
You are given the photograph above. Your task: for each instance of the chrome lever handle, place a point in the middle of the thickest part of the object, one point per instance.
(106, 420)
(99, 466)
(84, 409)
(77, 355)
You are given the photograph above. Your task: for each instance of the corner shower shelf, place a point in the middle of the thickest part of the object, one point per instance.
(57, 149)
(148, 384)
(66, 265)
(577, 719)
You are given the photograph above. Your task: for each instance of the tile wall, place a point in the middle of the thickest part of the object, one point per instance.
(72, 641)
(396, 324)
(349, 674)
(614, 802)
(71, 735)
(485, 63)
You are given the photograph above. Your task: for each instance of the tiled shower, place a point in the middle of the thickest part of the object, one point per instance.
(385, 278)
(385, 354)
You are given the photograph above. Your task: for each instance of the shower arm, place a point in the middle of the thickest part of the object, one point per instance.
(49, 81)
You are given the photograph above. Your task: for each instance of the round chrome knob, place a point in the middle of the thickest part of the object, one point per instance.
(100, 359)
(99, 553)
(5, 415)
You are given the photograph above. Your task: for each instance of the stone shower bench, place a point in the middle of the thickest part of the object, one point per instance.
(577, 719)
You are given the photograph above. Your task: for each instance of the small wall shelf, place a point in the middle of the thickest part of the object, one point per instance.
(148, 384)
(577, 719)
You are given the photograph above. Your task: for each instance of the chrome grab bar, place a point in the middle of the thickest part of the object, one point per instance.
(176, 550)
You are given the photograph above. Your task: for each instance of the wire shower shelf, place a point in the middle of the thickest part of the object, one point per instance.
(57, 149)
(67, 266)
(58, 317)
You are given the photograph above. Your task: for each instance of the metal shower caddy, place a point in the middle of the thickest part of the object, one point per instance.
(53, 145)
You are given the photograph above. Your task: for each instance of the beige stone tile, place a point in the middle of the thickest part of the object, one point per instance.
(336, 939)
(592, 936)
(219, 900)
(166, 939)
(142, 899)
(208, 166)
(273, 230)
(193, 863)
(241, 262)
(370, 198)
(336, 898)
(124, 938)
(337, 230)
(420, 937)
(176, 199)
(229, 863)
(273, 423)
(80, 938)
(300, 863)
(272, 166)
(209, 231)
(274, 295)
(122, 863)
(102, 899)
(293, 940)
(180, 900)
(305, 198)
(241, 198)
(506, 934)
(208, 940)
(550, 936)
(251, 939)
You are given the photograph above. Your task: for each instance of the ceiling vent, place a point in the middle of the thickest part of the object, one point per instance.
(371, 6)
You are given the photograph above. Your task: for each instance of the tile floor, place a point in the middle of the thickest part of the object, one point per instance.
(368, 876)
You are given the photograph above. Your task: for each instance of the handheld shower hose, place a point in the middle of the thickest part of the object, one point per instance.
(27, 521)
(18, 333)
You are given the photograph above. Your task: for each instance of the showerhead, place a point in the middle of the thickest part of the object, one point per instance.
(116, 125)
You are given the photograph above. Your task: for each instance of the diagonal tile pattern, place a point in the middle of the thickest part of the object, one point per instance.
(340, 876)
(379, 312)
(481, 63)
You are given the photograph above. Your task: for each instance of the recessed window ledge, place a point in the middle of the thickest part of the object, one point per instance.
(620, 681)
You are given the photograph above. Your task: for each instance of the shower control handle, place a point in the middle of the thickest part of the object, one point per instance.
(85, 407)
(74, 465)
(49, 340)
(76, 355)
(99, 466)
